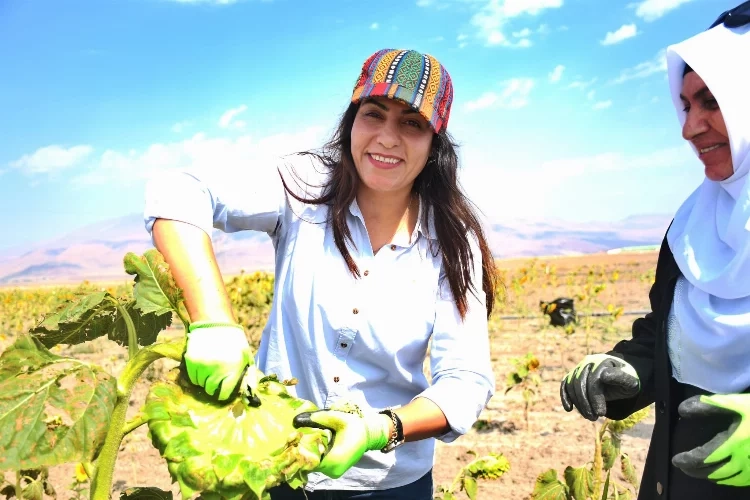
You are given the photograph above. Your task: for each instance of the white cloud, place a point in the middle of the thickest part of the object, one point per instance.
(227, 120)
(374, 26)
(437, 39)
(200, 152)
(513, 8)
(493, 17)
(524, 33)
(590, 178)
(424, 3)
(514, 95)
(642, 70)
(580, 84)
(590, 95)
(556, 73)
(603, 104)
(497, 38)
(623, 33)
(180, 127)
(611, 161)
(54, 158)
(651, 10)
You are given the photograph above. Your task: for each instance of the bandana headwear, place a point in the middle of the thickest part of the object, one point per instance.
(416, 79)
(710, 234)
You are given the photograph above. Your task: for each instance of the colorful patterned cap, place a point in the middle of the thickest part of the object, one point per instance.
(418, 80)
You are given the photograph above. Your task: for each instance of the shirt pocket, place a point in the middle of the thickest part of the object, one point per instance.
(403, 304)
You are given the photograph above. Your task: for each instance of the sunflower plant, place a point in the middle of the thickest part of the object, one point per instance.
(56, 409)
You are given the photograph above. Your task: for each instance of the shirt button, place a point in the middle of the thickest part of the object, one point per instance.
(344, 345)
(659, 489)
(662, 407)
(336, 379)
(393, 247)
(355, 311)
(367, 273)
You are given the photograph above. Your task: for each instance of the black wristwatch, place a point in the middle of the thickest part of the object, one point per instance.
(397, 437)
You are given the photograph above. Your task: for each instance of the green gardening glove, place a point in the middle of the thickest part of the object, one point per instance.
(353, 436)
(725, 459)
(216, 356)
(594, 381)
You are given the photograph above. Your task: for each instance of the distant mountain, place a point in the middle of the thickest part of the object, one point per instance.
(95, 252)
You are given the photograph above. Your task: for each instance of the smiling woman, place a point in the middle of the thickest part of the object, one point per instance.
(705, 127)
(691, 354)
(383, 260)
(390, 145)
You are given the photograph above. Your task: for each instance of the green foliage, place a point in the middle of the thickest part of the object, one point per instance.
(23, 308)
(549, 487)
(96, 315)
(56, 409)
(155, 289)
(491, 466)
(617, 427)
(30, 484)
(53, 409)
(525, 375)
(593, 480)
(580, 481)
(251, 296)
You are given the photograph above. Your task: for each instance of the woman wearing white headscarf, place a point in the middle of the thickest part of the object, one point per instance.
(691, 354)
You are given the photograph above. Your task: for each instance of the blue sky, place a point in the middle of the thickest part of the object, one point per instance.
(561, 106)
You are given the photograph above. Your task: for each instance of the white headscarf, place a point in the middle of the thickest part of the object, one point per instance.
(710, 235)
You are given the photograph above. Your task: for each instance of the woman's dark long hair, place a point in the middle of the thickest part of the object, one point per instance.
(437, 187)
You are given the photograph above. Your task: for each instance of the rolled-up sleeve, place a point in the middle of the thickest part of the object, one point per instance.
(462, 376)
(227, 203)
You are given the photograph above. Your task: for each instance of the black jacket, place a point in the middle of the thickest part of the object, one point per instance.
(647, 352)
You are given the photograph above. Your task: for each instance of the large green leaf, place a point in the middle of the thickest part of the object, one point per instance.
(147, 325)
(86, 319)
(96, 315)
(548, 487)
(580, 481)
(470, 487)
(53, 410)
(155, 289)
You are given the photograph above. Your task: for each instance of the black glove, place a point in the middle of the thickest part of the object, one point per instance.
(594, 381)
(725, 459)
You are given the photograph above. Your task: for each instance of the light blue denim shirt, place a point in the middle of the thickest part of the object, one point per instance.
(345, 339)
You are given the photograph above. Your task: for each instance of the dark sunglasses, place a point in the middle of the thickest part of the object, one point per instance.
(734, 18)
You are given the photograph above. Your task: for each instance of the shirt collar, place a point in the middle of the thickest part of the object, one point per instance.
(428, 232)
